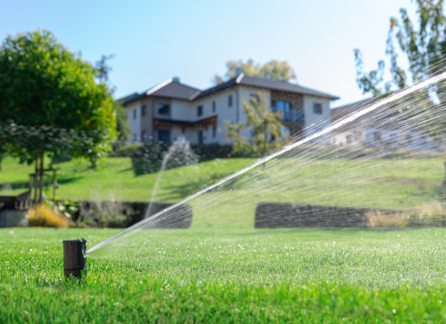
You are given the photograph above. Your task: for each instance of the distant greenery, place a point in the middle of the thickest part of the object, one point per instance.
(256, 276)
(277, 70)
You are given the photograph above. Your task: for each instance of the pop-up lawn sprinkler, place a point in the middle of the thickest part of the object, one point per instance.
(75, 258)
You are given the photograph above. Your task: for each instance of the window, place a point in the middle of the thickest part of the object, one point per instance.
(377, 136)
(200, 110)
(143, 110)
(163, 136)
(163, 109)
(214, 131)
(317, 108)
(230, 100)
(200, 137)
(134, 137)
(214, 106)
(284, 107)
(349, 139)
(144, 136)
(134, 113)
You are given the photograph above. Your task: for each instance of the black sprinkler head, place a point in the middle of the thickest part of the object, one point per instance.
(75, 258)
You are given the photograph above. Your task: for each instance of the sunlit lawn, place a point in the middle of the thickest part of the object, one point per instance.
(220, 276)
(398, 184)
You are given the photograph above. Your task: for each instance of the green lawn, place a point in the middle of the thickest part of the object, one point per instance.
(397, 184)
(219, 276)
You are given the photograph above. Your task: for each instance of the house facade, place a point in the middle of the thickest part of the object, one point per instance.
(382, 127)
(172, 109)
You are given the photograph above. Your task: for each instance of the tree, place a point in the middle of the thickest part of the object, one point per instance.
(424, 48)
(102, 68)
(46, 91)
(278, 70)
(122, 124)
(265, 126)
(43, 84)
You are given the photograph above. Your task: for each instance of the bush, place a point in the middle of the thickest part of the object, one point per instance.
(148, 158)
(126, 150)
(376, 218)
(46, 216)
(429, 214)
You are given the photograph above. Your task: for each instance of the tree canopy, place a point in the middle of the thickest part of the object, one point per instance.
(44, 86)
(423, 46)
(265, 126)
(278, 70)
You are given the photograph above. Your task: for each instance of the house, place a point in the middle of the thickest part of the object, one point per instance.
(382, 127)
(172, 109)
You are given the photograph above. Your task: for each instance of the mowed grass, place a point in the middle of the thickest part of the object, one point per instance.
(219, 276)
(379, 183)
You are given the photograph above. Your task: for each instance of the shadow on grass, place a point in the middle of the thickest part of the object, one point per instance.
(191, 187)
(14, 185)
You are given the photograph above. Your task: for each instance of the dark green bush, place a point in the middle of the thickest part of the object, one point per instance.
(126, 150)
(148, 158)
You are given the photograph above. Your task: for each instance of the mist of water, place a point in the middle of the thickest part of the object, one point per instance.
(312, 171)
(181, 154)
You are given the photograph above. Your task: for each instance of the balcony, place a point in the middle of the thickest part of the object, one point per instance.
(293, 116)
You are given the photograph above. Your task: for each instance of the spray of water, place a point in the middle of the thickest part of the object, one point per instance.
(181, 154)
(256, 184)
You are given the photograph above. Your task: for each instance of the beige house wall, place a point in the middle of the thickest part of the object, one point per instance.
(146, 121)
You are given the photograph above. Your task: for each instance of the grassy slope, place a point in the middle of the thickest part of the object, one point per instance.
(177, 276)
(117, 180)
(395, 184)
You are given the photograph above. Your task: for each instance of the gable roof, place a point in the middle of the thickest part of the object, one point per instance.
(384, 117)
(176, 90)
(166, 89)
(343, 111)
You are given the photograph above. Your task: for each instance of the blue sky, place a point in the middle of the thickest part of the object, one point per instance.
(156, 40)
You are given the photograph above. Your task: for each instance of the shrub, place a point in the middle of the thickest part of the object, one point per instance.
(148, 158)
(429, 214)
(46, 216)
(126, 150)
(376, 218)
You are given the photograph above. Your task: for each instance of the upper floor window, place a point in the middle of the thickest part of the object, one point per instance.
(143, 110)
(255, 96)
(163, 109)
(283, 106)
(317, 108)
(230, 100)
(134, 113)
(349, 139)
(214, 106)
(200, 110)
(376, 136)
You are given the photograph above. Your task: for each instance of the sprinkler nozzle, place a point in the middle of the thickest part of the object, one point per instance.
(75, 258)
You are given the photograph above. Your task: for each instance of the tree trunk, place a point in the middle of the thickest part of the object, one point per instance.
(41, 179)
